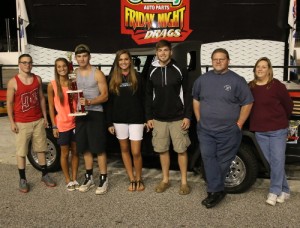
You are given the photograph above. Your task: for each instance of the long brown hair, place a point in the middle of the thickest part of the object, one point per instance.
(116, 76)
(270, 74)
(57, 79)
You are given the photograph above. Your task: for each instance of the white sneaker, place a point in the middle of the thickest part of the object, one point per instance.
(76, 184)
(283, 196)
(271, 199)
(70, 186)
(102, 188)
(87, 185)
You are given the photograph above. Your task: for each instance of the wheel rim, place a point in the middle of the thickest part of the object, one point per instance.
(236, 174)
(50, 154)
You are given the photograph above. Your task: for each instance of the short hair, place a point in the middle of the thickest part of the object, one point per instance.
(221, 50)
(82, 48)
(24, 55)
(163, 43)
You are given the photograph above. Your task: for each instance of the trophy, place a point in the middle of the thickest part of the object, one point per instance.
(76, 109)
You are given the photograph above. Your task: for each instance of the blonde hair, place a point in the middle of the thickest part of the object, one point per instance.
(116, 76)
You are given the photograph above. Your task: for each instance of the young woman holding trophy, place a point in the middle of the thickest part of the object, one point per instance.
(63, 124)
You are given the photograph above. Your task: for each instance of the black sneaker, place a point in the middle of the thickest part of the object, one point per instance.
(23, 186)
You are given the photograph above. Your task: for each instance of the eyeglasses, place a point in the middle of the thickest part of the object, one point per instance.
(218, 60)
(26, 63)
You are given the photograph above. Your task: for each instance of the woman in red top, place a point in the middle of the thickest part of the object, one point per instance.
(269, 119)
(63, 125)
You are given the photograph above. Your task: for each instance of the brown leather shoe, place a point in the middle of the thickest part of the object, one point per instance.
(215, 198)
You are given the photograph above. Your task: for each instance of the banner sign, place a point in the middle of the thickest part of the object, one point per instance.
(148, 21)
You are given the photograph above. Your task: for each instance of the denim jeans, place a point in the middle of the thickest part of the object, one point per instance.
(218, 150)
(273, 145)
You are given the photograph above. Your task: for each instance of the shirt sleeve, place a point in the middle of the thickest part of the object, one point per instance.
(244, 93)
(285, 99)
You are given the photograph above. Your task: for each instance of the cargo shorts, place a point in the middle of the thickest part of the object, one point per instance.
(34, 131)
(163, 132)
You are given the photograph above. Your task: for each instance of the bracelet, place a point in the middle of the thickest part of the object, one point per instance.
(54, 127)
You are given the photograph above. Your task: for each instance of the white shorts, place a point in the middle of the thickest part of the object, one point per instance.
(131, 131)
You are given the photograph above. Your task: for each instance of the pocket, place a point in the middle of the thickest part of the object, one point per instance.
(154, 134)
(160, 144)
(182, 141)
(186, 138)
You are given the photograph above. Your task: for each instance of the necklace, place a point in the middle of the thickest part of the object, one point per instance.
(125, 77)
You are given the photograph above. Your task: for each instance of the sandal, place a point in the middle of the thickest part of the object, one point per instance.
(140, 186)
(184, 189)
(161, 187)
(132, 186)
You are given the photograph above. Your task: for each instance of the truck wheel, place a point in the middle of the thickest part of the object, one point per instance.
(52, 154)
(243, 171)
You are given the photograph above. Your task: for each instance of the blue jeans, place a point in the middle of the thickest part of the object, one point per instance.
(273, 144)
(218, 150)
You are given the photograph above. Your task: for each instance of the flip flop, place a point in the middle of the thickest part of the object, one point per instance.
(132, 186)
(140, 186)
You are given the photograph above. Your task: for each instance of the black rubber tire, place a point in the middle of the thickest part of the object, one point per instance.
(52, 154)
(243, 171)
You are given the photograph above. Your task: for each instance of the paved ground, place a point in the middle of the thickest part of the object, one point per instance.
(45, 207)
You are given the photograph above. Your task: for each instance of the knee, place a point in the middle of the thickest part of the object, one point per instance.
(64, 154)
(184, 154)
(74, 153)
(136, 155)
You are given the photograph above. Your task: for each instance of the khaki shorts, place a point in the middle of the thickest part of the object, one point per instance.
(163, 132)
(34, 131)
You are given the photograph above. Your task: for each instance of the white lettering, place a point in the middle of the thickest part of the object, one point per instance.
(162, 33)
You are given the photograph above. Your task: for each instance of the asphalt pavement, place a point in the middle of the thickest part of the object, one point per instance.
(56, 207)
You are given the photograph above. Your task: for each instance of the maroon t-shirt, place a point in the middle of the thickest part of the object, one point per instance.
(272, 107)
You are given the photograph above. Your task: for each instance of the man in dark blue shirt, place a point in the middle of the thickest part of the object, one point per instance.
(222, 102)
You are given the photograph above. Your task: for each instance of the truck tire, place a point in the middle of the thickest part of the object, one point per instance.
(243, 171)
(52, 154)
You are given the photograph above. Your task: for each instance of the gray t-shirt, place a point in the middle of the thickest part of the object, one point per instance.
(221, 97)
(90, 89)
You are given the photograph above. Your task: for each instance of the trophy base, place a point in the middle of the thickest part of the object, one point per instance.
(74, 91)
(78, 114)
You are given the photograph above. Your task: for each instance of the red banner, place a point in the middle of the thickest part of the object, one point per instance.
(148, 21)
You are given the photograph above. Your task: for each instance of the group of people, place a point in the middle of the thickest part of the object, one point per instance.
(221, 101)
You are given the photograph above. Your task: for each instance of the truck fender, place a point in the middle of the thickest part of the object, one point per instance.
(259, 154)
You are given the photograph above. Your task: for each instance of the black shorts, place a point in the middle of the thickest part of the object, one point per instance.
(66, 137)
(91, 133)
